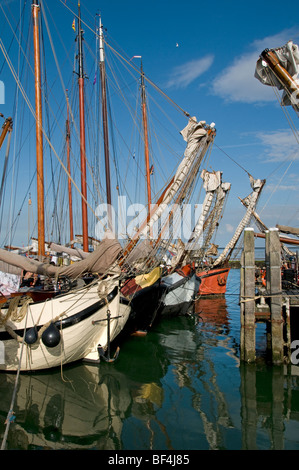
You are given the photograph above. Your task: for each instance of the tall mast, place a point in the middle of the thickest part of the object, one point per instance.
(146, 146)
(68, 143)
(39, 131)
(105, 123)
(7, 127)
(82, 133)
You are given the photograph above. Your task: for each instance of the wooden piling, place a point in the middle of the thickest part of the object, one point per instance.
(265, 302)
(273, 284)
(242, 307)
(248, 298)
(288, 340)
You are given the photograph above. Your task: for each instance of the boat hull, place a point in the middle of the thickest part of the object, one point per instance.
(80, 317)
(213, 281)
(145, 294)
(180, 295)
(145, 305)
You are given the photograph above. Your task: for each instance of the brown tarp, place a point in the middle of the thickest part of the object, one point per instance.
(139, 252)
(76, 252)
(97, 262)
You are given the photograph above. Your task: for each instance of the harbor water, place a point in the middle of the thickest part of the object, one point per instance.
(182, 387)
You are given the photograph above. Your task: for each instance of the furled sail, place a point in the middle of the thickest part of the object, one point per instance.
(280, 67)
(212, 183)
(287, 229)
(216, 193)
(73, 252)
(196, 135)
(257, 186)
(139, 253)
(99, 262)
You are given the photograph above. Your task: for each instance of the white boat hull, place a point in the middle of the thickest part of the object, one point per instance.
(181, 293)
(81, 318)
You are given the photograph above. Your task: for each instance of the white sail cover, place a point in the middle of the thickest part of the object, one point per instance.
(215, 188)
(211, 181)
(288, 57)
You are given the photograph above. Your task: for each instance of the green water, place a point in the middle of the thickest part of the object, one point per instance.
(181, 387)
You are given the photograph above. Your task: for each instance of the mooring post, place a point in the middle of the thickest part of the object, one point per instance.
(273, 280)
(248, 298)
(242, 307)
(287, 315)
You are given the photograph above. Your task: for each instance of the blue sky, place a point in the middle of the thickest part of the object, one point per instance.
(203, 55)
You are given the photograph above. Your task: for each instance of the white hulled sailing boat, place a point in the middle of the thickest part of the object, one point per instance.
(48, 328)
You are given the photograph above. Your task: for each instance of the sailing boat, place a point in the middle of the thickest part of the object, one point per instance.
(180, 287)
(197, 249)
(211, 282)
(145, 296)
(183, 283)
(148, 292)
(212, 269)
(68, 326)
(214, 275)
(175, 292)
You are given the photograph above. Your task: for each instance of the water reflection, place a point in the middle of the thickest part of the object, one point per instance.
(181, 387)
(213, 311)
(270, 403)
(69, 412)
(84, 406)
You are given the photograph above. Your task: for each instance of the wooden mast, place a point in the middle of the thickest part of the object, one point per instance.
(7, 127)
(146, 145)
(68, 144)
(82, 133)
(105, 125)
(39, 131)
(289, 83)
(287, 241)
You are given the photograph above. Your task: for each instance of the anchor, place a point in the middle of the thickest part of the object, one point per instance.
(101, 351)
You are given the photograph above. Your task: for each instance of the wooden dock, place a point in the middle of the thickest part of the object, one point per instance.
(272, 301)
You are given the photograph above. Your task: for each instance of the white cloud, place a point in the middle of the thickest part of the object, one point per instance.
(237, 82)
(280, 146)
(229, 228)
(186, 73)
(282, 187)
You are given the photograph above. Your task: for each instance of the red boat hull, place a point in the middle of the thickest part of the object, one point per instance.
(213, 281)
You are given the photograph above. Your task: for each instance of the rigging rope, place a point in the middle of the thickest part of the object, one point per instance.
(290, 122)
(127, 61)
(238, 164)
(34, 115)
(283, 107)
